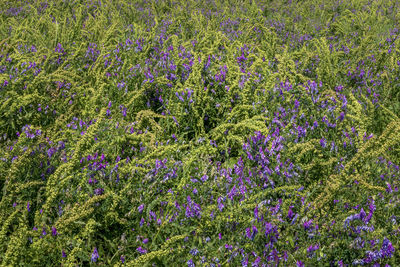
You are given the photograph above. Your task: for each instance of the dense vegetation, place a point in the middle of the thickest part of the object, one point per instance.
(199, 133)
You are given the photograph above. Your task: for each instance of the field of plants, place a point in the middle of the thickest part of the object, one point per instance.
(200, 133)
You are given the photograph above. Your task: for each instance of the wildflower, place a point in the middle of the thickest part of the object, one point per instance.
(387, 248)
(256, 262)
(358, 262)
(54, 231)
(312, 248)
(190, 263)
(204, 178)
(59, 48)
(307, 224)
(140, 208)
(362, 214)
(341, 116)
(323, 142)
(194, 251)
(95, 255)
(256, 212)
(351, 218)
(220, 205)
(141, 250)
(294, 219)
(98, 191)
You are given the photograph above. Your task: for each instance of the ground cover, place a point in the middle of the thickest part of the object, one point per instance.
(199, 133)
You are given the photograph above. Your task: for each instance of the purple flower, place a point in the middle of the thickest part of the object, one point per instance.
(95, 255)
(256, 262)
(358, 262)
(54, 231)
(141, 250)
(194, 251)
(323, 142)
(124, 112)
(294, 219)
(220, 205)
(256, 212)
(254, 232)
(122, 258)
(341, 116)
(290, 213)
(98, 191)
(229, 247)
(362, 214)
(387, 248)
(248, 232)
(204, 178)
(307, 224)
(351, 218)
(140, 208)
(59, 48)
(63, 254)
(190, 263)
(312, 248)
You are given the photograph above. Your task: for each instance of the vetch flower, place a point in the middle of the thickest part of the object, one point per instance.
(312, 248)
(294, 219)
(141, 250)
(307, 224)
(228, 247)
(95, 255)
(140, 208)
(194, 251)
(323, 142)
(190, 263)
(387, 248)
(290, 213)
(98, 191)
